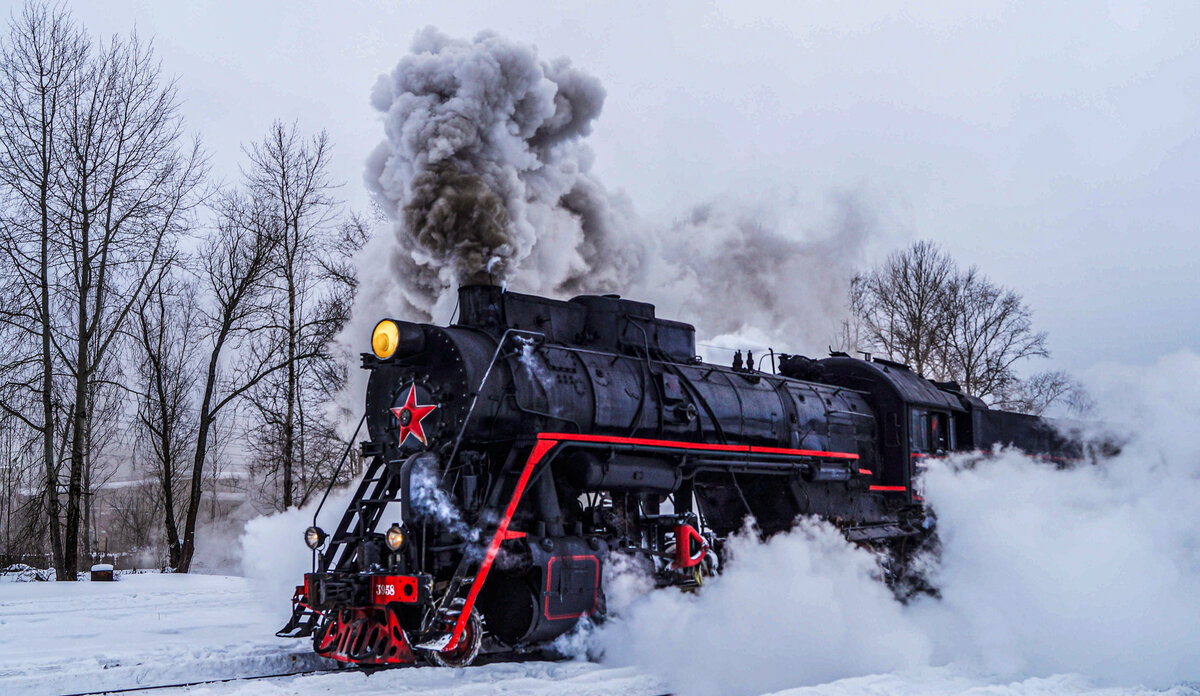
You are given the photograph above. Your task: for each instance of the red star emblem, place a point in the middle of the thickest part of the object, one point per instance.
(410, 416)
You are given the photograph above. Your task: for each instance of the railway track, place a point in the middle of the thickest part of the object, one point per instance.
(263, 677)
(201, 682)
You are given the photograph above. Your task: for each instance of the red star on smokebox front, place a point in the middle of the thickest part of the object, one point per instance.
(410, 415)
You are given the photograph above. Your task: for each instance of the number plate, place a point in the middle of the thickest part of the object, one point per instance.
(394, 588)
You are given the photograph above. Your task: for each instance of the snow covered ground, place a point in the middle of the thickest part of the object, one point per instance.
(146, 630)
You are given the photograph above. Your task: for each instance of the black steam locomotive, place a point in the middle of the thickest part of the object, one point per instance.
(512, 454)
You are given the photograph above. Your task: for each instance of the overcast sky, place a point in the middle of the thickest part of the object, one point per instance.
(1055, 148)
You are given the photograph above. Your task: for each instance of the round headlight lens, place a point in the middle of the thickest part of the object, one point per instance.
(385, 338)
(314, 538)
(394, 537)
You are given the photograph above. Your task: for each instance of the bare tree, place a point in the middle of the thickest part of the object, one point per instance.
(41, 60)
(237, 265)
(105, 404)
(990, 329)
(97, 184)
(234, 265)
(318, 445)
(167, 334)
(130, 184)
(919, 308)
(22, 522)
(289, 174)
(903, 305)
(1036, 394)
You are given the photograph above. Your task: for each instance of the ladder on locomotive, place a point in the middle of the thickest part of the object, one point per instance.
(380, 486)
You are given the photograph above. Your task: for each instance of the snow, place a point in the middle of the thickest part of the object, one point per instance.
(576, 678)
(944, 681)
(143, 629)
(155, 629)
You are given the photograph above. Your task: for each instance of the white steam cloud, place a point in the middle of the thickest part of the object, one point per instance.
(802, 608)
(430, 500)
(1093, 571)
(273, 554)
(486, 177)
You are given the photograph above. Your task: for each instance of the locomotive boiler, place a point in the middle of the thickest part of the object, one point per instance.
(512, 455)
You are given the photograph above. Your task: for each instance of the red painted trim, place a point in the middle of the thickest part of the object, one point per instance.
(685, 534)
(613, 440)
(546, 594)
(546, 442)
(703, 446)
(900, 489)
(864, 472)
(804, 453)
(986, 453)
(536, 455)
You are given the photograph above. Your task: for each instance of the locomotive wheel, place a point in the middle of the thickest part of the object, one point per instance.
(467, 649)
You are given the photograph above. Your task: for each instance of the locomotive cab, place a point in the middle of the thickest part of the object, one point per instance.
(920, 419)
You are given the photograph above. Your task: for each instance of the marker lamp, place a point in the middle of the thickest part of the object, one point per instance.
(394, 537)
(314, 538)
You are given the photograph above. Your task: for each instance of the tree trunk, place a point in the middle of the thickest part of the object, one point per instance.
(79, 418)
(86, 524)
(289, 423)
(56, 541)
(78, 452)
(52, 512)
(194, 492)
(168, 474)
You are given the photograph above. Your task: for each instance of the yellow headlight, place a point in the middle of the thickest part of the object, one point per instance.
(385, 338)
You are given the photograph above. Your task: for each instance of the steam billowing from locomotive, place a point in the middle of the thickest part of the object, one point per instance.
(486, 177)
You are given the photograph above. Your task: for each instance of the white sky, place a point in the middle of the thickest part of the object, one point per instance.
(1057, 148)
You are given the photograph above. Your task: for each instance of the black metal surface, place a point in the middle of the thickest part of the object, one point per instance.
(518, 366)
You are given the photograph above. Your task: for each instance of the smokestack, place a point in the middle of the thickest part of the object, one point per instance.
(481, 305)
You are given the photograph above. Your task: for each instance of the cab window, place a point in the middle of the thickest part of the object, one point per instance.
(918, 437)
(937, 431)
(931, 432)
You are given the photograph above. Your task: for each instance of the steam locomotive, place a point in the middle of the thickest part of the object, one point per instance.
(510, 456)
